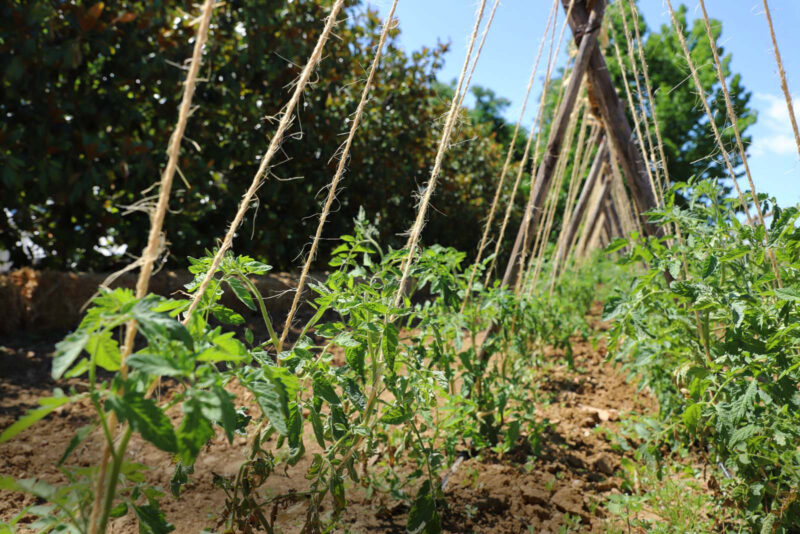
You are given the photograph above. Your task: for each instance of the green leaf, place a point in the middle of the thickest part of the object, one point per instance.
(691, 416)
(316, 425)
(119, 510)
(47, 406)
(217, 406)
(146, 418)
(423, 516)
(739, 406)
(787, 293)
(67, 351)
(709, 265)
(389, 346)
(273, 393)
(104, 350)
(324, 390)
(355, 357)
(241, 292)
(226, 315)
(396, 415)
(81, 434)
(194, 431)
(159, 326)
(155, 364)
(180, 477)
(152, 520)
(738, 309)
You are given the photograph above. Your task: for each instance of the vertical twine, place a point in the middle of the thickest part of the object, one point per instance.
(528, 214)
(543, 232)
(648, 86)
(658, 185)
(154, 239)
(274, 146)
(492, 210)
(538, 129)
(735, 123)
(338, 175)
(536, 132)
(709, 114)
(419, 223)
(583, 146)
(782, 74)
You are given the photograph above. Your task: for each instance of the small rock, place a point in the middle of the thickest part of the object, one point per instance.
(533, 495)
(604, 464)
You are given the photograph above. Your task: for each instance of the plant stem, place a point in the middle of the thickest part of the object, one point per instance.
(111, 488)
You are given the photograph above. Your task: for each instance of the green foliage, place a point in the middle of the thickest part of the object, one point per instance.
(718, 344)
(414, 389)
(91, 92)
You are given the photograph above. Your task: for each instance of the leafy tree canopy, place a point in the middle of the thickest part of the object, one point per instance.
(90, 93)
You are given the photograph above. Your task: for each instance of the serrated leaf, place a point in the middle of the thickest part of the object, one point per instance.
(324, 390)
(155, 364)
(423, 516)
(152, 520)
(194, 431)
(691, 416)
(81, 434)
(67, 351)
(389, 344)
(787, 293)
(273, 393)
(241, 292)
(739, 406)
(709, 265)
(146, 418)
(159, 326)
(396, 415)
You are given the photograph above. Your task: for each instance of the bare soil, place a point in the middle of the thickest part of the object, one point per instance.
(489, 493)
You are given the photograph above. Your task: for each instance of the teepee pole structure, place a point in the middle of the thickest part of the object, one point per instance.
(546, 170)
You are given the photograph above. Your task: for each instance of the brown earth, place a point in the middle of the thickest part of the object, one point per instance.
(566, 484)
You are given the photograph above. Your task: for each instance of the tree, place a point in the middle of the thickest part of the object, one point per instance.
(89, 99)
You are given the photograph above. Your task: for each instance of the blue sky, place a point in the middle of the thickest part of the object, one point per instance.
(514, 37)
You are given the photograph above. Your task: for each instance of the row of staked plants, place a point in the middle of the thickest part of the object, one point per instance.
(411, 393)
(715, 334)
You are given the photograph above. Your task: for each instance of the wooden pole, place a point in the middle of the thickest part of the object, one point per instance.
(613, 217)
(583, 201)
(594, 213)
(615, 121)
(587, 48)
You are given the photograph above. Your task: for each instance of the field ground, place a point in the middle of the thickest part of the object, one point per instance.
(564, 488)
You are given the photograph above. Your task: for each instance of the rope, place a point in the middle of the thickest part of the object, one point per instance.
(658, 190)
(735, 123)
(529, 210)
(274, 146)
(487, 227)
(577, 166)
(154, 238)
(555, 190)
(536, 131)
(782, 73)
(419, 223)
(338, 175)
(709, 114)
(652, 101)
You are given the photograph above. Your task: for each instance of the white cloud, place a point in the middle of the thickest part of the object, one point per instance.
(773, 133)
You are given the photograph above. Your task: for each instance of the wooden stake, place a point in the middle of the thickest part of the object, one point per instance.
(616, 123)
(587, 49)
(583, 201)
